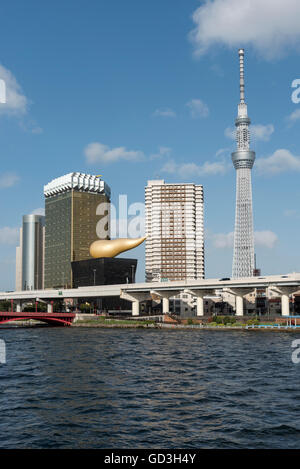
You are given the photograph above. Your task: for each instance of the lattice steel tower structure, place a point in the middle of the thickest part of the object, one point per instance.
(243, 160)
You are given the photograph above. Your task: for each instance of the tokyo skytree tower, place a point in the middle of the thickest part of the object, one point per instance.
(243, 160)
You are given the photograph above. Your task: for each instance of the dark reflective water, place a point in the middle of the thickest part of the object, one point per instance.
(93, 388)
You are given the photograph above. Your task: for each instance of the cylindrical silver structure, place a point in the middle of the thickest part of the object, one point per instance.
(243, 159)
(32, 252)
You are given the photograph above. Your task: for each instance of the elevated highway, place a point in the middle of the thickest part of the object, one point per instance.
(284, 285)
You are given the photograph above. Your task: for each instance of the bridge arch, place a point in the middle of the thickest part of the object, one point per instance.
(63, 320)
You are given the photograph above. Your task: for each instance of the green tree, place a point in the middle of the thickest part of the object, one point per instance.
(5, 306)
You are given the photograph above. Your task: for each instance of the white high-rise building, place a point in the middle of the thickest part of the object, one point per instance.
(175, 232)
(243, 160)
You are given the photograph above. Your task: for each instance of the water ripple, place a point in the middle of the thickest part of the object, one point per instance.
(93, 388)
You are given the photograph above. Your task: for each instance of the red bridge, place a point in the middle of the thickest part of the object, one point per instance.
(53, 319)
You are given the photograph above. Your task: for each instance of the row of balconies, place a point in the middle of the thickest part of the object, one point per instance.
(165, 222)
(158, 227)
(184, 216)
(168, 241)
(177, 248)
(180, 190)
(175, 189)
(193, 198)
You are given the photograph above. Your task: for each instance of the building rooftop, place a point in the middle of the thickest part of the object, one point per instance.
(77, 181)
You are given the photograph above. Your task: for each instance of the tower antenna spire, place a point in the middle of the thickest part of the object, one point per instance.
(242, 76)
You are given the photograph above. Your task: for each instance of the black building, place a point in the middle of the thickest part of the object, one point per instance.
(103, 271)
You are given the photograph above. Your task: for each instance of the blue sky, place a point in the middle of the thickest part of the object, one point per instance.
(125, 89)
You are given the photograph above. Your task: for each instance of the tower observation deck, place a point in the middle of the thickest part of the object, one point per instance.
(243, 160)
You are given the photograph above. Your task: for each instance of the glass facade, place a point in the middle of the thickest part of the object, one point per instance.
(84, 223)
(103, 271)
(71, 221)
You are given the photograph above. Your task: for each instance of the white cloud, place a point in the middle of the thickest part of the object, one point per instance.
(265, 239)
(37, 130)
(197, 108)
(294, 116)
(257, 132)
(16, 102)
(29, 125)
(261, 132)
(222, 151)
(38, 211)
(270, 26)
(291, 213)
(162, 151)
(98, 153)
(281, 161)
(170, 167)
(190, 170)
(164, 113)
(8, 180)
(222, 240)
(9, 235)
(230, 133)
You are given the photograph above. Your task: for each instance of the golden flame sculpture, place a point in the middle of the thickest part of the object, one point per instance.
(113, 247)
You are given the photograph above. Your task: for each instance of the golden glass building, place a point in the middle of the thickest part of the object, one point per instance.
(77, 213)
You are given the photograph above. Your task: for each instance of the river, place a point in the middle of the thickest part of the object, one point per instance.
(114, 388)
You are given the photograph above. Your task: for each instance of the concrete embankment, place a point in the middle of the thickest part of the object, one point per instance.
(111, 324)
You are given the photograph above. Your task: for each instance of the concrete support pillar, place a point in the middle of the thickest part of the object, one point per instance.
(135, 308)
(239, 294)
(49, 308)
(200, 306)
(18, 306)
(165, 295)
(239, 305)
(285, 293)
(200, 294)
(136, 298)
(165, 305)
(285, 305)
